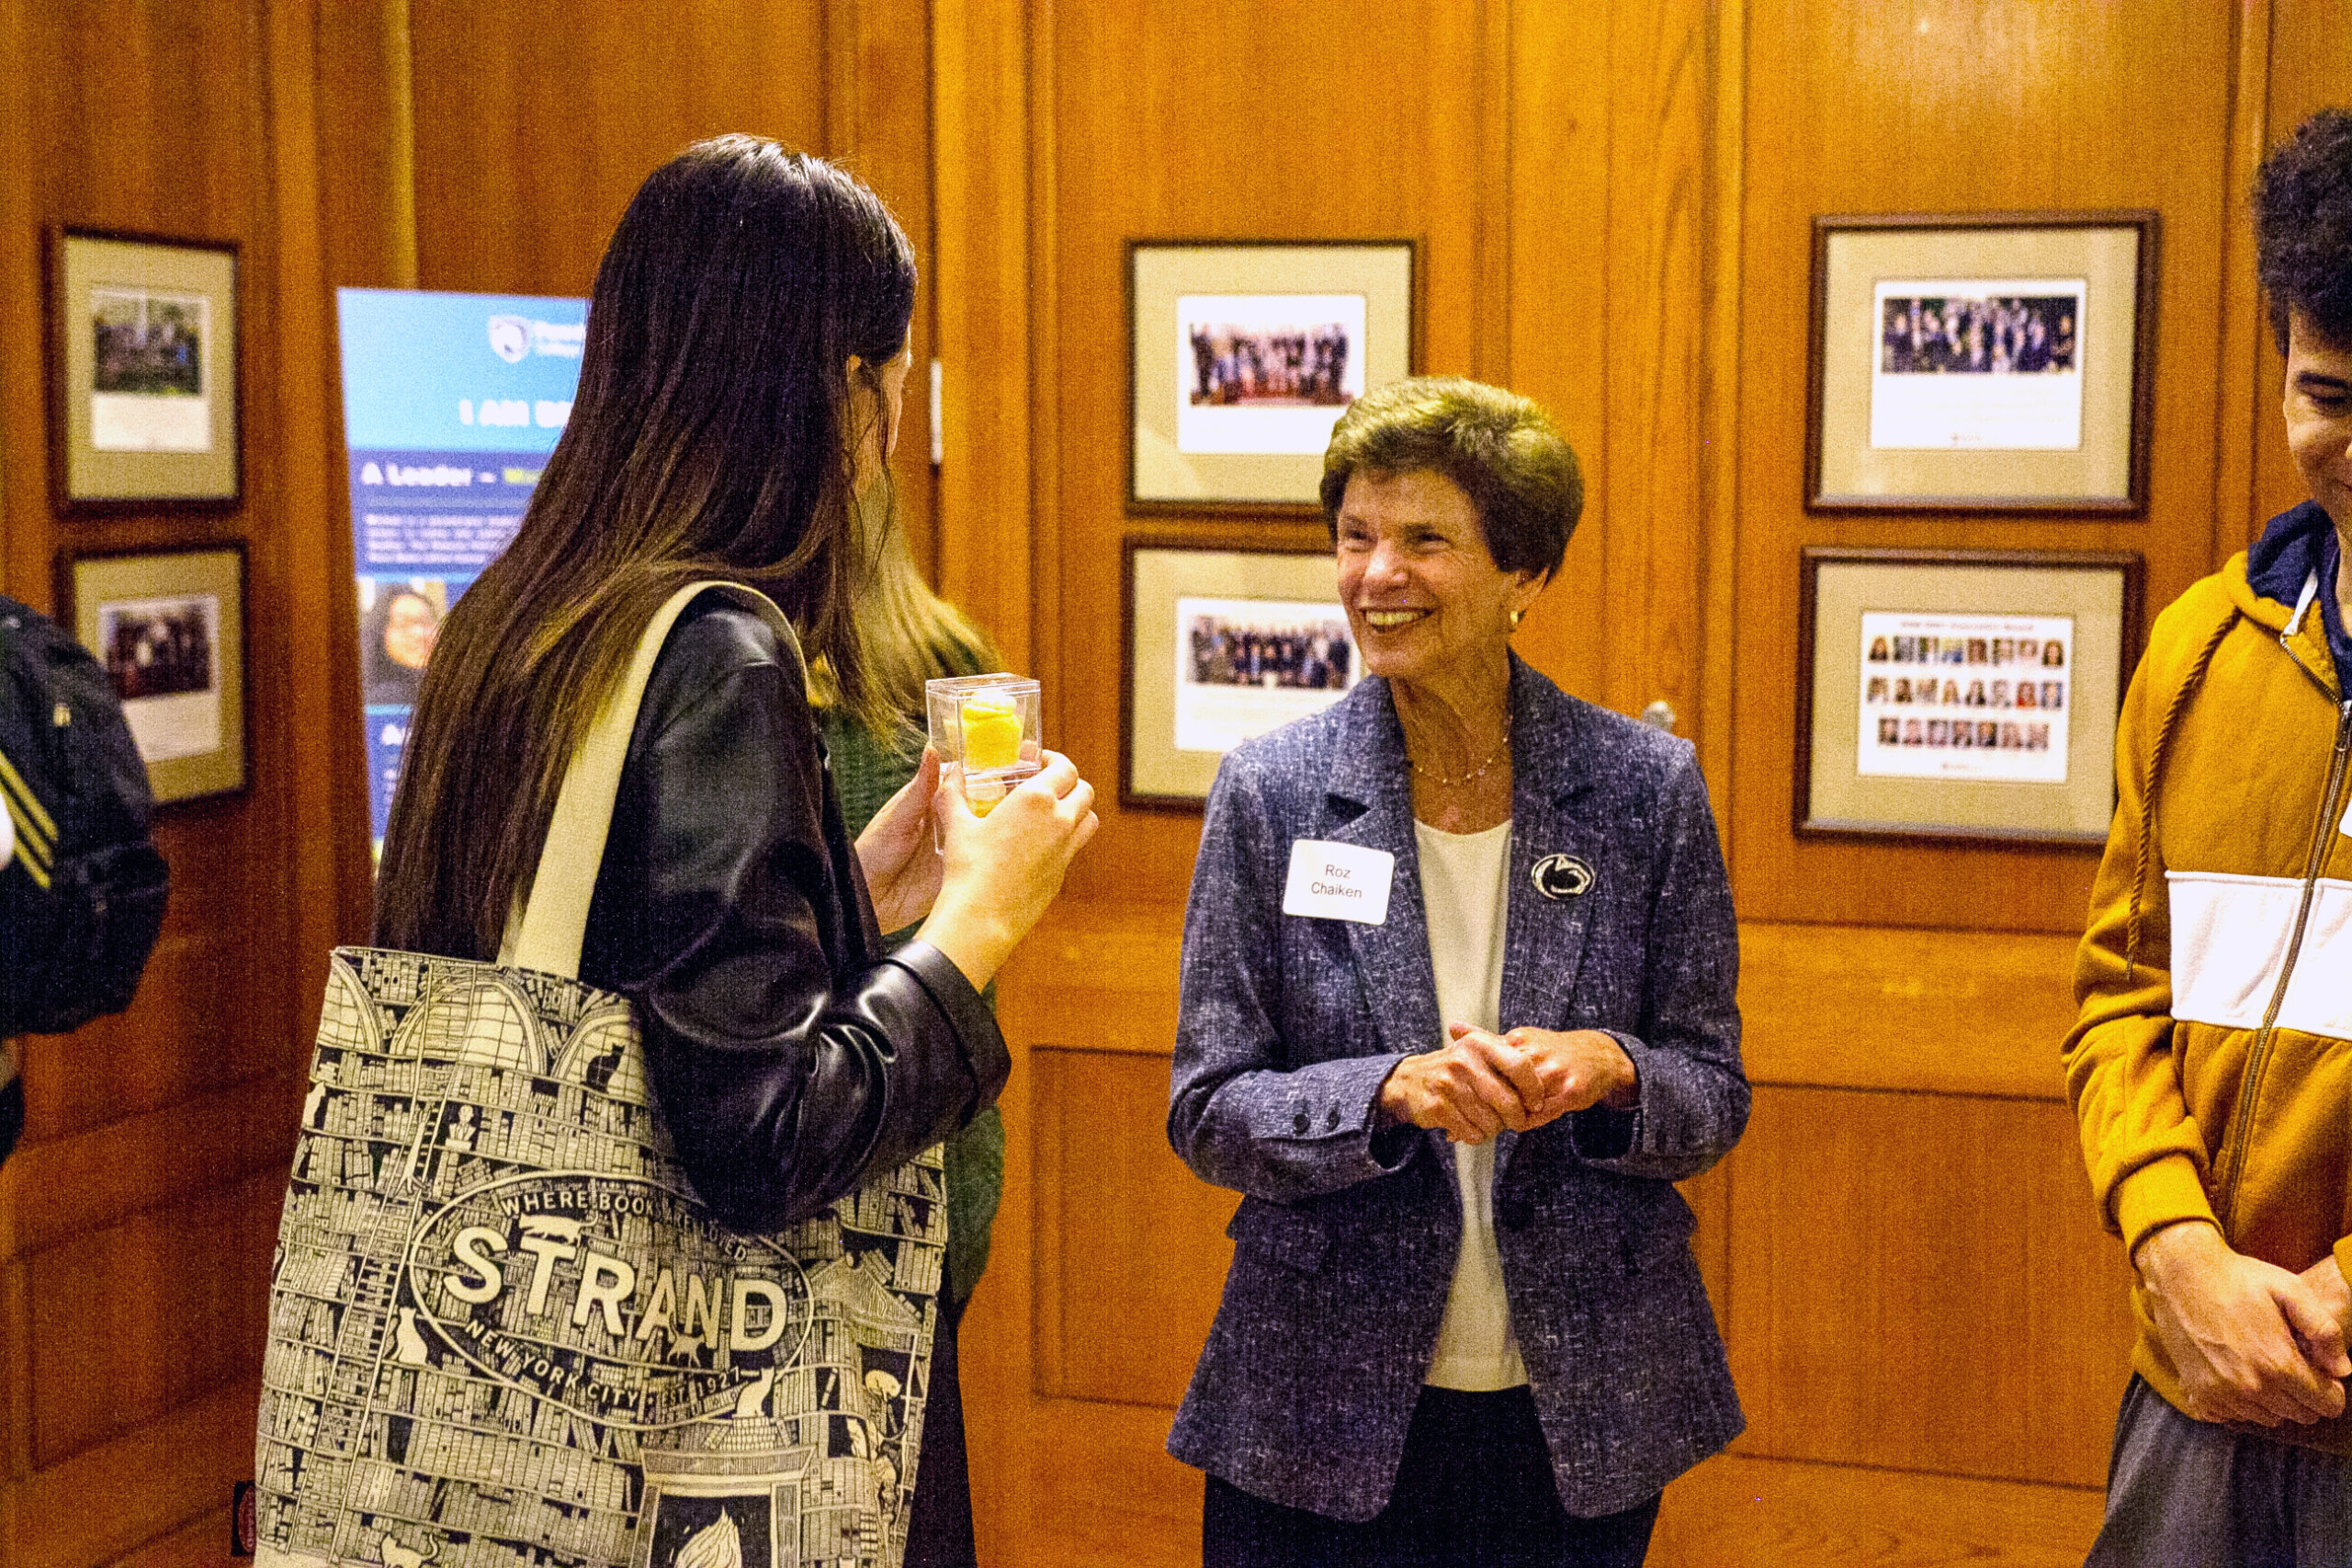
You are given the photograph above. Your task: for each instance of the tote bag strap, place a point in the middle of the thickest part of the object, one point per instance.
(550, 925)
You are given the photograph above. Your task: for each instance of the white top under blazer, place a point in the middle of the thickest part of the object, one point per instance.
(1466, 893)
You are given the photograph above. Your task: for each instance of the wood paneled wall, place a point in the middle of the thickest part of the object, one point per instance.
(1614, 198)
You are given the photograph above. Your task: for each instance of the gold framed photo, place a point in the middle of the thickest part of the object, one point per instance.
(1982, 362)
(1962, 693)
(169, 626)
(1242, 355)
(143, 373)
(1222, 643)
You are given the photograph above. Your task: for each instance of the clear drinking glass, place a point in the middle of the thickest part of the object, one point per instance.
(987, 728)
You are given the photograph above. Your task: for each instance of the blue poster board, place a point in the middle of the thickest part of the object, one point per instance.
(451, 404)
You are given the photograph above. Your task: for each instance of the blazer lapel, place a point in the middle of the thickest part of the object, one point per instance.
(1392, 960)
(1544, 937)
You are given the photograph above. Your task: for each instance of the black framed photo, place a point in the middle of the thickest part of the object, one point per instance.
(142, 337)
(169, 626)
(1982, 362)
(1962, 693)
(1222, 643)
(1243, 355)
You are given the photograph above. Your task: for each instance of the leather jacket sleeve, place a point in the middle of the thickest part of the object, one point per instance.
(789, 1058)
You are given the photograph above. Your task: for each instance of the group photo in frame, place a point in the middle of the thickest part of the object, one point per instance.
(1962, 693)
(1982, 362)
(142, 337)
(1220, 644)
(1242, 355)
(169, 627)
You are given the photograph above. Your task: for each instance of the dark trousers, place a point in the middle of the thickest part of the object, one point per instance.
(939, 1525)
(2184, 1494)
(1475, 1488)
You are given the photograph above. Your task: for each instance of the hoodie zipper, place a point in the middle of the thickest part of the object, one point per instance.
(2331, 809)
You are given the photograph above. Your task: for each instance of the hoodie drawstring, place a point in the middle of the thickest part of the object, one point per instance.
(2173, 710)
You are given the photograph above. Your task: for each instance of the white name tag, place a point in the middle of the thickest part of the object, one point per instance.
(1338, 881)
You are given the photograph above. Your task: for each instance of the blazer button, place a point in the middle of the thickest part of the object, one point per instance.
(1332, 1119)
(1298, 1122)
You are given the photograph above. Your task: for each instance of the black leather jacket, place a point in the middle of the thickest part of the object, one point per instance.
(790, 1057)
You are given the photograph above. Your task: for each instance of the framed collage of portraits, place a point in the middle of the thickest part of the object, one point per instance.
(1962, 695)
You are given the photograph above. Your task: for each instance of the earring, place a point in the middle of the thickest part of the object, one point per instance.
(1517, 616)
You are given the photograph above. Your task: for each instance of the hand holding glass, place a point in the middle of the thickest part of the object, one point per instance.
(987, 729)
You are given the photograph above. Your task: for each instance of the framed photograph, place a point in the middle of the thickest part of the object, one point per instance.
(1982, 362)
(1242, 355)
(1962, 693)
(169, 625)
(143, 373)
(1222, 644)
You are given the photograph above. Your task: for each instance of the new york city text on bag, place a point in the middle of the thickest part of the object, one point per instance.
(82, 896)
(503, 1330)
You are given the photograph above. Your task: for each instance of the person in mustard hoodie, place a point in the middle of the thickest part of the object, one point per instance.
(2211, 1064)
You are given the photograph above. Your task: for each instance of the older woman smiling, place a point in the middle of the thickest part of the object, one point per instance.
(1463, 1324)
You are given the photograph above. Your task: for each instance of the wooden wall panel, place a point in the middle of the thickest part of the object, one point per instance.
(1662, 77)
(984, 280)
(1950, 1012)
(1953, 105)
(877, 122)
(517, 189)
(1560, 276)
(1131, 1249)
(1734, 1512)
(1235, 120)
(173, 1287)
(1920, 1284)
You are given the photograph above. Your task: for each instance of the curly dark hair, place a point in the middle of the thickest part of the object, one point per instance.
(2302, 228)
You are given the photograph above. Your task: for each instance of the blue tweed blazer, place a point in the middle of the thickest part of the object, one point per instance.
(1345, 1241)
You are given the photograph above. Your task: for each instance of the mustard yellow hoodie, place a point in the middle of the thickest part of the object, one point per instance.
(2210, 1065)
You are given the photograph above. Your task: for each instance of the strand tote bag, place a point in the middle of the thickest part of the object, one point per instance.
(503, 1331)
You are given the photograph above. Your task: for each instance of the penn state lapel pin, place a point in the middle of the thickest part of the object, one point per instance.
(1562, 877)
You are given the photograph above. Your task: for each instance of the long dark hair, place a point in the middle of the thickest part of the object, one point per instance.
(713, 434)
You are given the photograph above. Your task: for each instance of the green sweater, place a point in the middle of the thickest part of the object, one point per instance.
(867, 773)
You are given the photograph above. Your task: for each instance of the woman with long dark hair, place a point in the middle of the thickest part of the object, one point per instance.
(738, 393)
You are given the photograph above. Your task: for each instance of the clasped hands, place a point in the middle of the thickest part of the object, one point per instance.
(1485, 1083)
(2251, 1342)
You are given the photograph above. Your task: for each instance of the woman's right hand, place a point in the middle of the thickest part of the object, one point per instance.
(1000, 871)
(1460, 1092)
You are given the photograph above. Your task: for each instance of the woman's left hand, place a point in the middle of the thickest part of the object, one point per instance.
(898, 852)
(1577, 1070)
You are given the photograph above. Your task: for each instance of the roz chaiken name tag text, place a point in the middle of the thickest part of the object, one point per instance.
(1338, 881)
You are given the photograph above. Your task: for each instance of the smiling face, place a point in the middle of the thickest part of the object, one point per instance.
(409, 627)
(1424, 598)
(2319, 418)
